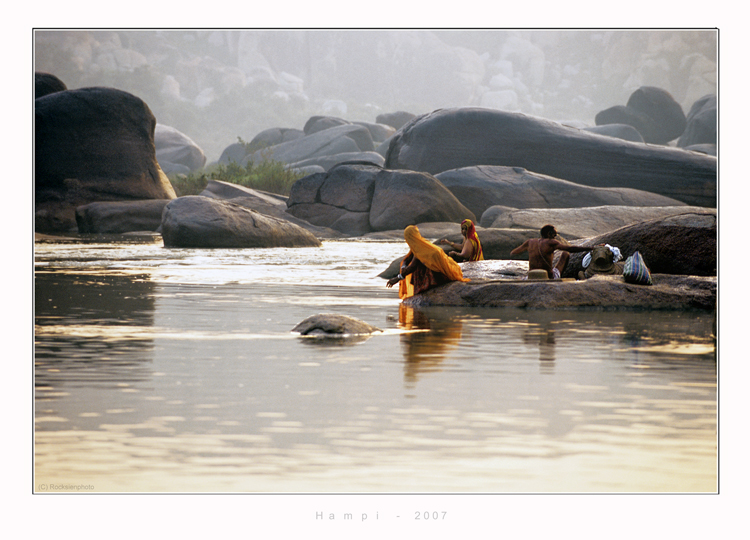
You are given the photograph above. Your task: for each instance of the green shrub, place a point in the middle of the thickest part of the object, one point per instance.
(264, 175)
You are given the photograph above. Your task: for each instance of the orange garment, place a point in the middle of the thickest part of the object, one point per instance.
(430, 255)
(471, 234)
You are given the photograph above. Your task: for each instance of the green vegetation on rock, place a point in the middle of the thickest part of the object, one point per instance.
(264, 175)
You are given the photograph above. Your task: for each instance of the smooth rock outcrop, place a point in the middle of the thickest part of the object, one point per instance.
(115, 217)
(327, 162)
(203, 222)
(93, 144)
(582, 222)
(701, 123)
(652, 111)
(335, 140)
(46, 83)
(176, 152)
(360, 198)
(619, 131)
(668, 292)
(269, 204)
(481, 187)
(454, 138)
(396, 119)
(683, 244)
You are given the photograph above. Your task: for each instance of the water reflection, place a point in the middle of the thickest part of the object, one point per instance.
(544, 337)
(179, 377)
(427, 341)
(91, 328)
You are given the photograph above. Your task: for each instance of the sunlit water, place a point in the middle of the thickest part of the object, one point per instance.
(176, 370)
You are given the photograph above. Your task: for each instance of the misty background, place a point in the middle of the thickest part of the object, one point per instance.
(217, 85)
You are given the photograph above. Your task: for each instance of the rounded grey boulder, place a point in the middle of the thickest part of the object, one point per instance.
(333, 325)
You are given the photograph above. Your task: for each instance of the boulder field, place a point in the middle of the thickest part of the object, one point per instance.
(455, 138)
(98, 153)
(360, 198)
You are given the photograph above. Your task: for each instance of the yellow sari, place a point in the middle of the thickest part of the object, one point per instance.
(430, 255)
(477, 255)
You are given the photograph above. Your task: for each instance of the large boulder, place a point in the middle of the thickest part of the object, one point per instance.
(403, 198)
(360, 198)
(175, 151)
(203, 222)
(455, 138)
(581, 222)
(334, 140)
(46, 83)
(619, 131)
(319, 123)
(378, 132)
(684, 244)
(483, 186)
(269, 204)
(326, 162)
(652, 111)
(395, 119)
(93, 144)
(114, 217)
(701, 123)
(236, 152)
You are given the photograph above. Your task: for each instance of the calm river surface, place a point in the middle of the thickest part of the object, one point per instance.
(175, 370)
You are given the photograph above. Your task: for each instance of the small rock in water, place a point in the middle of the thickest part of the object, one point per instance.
(332, 325)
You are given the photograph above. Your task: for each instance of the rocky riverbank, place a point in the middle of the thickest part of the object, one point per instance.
(600, 292)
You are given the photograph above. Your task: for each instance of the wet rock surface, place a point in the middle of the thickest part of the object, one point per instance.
(334, 325)
(599, 292)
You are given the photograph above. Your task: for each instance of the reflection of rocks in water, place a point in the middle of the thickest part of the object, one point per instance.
(89, 328)
(427, 341)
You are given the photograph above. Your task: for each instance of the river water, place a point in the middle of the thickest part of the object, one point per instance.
(175, 370)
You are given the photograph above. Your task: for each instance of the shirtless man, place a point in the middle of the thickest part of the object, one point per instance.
(542, 249)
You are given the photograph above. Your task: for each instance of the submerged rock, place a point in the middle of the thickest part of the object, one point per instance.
(333, 325)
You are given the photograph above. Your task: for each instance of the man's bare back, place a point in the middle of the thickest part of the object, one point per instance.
(541, 251)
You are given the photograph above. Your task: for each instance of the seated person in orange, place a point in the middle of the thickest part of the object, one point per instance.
(471, 249)
(542, 249)
(425, 266)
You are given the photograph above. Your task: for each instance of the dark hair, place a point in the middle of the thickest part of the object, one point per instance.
(548, 231)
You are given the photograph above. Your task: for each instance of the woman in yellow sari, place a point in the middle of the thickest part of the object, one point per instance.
(471, 248)
(425, 266)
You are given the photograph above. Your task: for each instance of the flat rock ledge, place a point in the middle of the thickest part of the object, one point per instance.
(668, 292)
